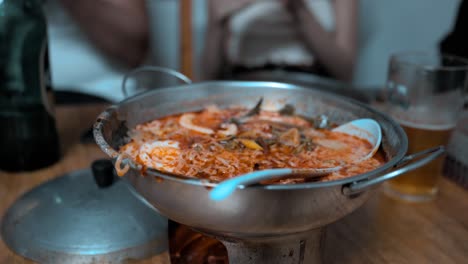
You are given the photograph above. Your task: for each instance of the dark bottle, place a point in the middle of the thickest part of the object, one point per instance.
(28, 135)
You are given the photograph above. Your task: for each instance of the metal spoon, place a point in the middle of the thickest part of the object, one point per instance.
(367, 129)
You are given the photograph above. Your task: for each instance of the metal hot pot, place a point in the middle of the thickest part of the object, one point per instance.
(257, 224)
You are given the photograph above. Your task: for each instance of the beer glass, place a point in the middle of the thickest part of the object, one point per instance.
(425, 93)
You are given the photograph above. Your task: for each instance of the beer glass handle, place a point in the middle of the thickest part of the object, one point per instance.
(158, 69)
(406, 164)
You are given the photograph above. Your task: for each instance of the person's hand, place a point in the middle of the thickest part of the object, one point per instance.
(295, 7)
(221, 9)
(119, 29)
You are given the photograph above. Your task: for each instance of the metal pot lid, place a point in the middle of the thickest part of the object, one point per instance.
(71, 220)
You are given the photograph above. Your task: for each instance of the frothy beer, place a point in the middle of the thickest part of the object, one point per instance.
(424, 130)
(425, 93)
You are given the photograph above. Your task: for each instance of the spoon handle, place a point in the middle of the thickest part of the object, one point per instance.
(227, 187)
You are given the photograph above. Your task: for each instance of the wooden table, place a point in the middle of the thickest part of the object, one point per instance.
(382, 231)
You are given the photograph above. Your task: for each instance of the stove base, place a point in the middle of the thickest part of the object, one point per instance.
(291, 249)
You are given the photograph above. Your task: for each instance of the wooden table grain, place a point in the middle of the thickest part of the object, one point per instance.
(382, 231)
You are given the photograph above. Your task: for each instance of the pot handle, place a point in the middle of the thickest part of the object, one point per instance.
(157, 69)
(416, 160)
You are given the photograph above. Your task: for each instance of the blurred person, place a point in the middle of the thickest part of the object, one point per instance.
(92, 44)
(315, 36)
(118, 28)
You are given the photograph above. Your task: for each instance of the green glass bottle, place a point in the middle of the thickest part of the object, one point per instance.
(28, 134)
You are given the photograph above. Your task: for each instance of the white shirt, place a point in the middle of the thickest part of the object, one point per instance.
(264, 32)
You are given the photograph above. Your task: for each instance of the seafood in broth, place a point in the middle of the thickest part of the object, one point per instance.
(216, 144)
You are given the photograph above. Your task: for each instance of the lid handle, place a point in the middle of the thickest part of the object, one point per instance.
(103, 172)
